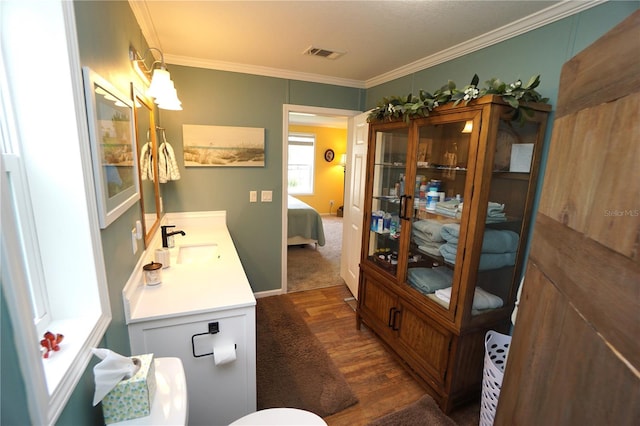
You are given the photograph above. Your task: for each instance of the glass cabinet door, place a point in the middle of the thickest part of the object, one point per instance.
(388, 202)
(439, 188)
(506, 221)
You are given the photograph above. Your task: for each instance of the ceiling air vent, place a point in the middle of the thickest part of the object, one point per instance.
(323, 53)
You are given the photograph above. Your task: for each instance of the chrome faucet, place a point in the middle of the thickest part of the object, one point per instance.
(166, 242)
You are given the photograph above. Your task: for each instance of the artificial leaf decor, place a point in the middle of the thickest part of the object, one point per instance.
(408, 107)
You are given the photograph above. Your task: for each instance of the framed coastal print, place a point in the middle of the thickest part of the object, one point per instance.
(223, 146)
(113, 147)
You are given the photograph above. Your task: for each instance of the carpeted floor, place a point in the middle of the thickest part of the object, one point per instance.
(293, 368)
(310, 268)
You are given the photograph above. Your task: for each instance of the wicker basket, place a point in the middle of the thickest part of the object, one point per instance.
(495, 359)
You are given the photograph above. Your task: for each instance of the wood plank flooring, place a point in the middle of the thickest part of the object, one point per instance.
(381, 384)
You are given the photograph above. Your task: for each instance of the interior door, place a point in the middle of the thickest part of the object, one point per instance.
(358, 129)
(575, 354)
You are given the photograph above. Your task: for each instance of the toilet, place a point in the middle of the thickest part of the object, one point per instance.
(170, 404)
(280, 416)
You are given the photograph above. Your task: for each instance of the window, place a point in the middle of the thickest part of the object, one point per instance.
(53, 274)
(301, 163)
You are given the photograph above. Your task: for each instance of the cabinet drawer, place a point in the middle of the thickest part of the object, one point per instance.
(425, 342)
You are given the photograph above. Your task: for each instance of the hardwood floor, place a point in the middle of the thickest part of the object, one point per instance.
(380, 382)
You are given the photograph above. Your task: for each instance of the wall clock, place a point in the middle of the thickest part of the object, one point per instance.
(329, 155)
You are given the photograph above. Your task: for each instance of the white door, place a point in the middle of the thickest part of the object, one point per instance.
(354, 201)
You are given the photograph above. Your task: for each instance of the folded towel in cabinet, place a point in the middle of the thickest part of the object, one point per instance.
(487, 260)
(481, 299)
(428, 280)
(428, 229)
(493, 241)
(430, 248)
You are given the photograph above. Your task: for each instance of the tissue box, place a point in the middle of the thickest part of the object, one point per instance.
(132, 398)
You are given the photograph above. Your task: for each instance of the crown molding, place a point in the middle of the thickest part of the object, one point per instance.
(531, 22)
(263, 71)
(544, 17)
(141, 12)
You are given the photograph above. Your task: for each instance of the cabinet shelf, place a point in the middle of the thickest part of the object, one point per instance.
(387, 198)
(391, 165)
(442, 168)
(512, 175)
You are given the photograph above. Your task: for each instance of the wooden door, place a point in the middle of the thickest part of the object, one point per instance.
(425, 342)
(379, 307)
(354, 201)
(575, 353)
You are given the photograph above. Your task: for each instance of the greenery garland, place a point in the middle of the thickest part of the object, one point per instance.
(408, 107)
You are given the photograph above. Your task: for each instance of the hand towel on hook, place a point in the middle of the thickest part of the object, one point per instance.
(167, 165)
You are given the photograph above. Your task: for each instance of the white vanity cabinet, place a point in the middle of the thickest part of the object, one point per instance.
(217, 394)
(199, 306)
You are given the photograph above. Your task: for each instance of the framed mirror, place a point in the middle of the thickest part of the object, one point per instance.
(147, 147)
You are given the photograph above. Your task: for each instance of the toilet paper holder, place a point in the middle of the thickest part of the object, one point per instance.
(214, 327)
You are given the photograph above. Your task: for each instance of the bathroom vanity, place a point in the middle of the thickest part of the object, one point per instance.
(203, 312)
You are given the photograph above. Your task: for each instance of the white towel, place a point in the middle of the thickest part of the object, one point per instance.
(167, 165)
(146, 162)
(481, 299)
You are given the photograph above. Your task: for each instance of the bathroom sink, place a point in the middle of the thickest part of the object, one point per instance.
(198, 253)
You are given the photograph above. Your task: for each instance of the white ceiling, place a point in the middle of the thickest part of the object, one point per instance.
(382, 40)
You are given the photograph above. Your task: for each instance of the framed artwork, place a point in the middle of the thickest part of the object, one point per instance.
(113, 147)
(223, 146)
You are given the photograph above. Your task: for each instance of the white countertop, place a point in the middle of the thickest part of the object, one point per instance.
(188, 289)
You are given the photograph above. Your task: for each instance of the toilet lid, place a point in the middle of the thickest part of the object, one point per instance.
(280, 416)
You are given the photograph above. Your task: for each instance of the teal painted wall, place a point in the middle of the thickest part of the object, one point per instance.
(105, 30)
(542, 51)
(220, 98)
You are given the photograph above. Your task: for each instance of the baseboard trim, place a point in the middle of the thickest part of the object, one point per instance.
(268, 293)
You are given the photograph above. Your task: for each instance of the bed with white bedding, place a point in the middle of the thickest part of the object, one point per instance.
(304, 224)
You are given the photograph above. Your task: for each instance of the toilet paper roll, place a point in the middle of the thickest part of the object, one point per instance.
(224, 354)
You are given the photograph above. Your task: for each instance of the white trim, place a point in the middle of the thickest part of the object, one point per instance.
(19, 306)
(263, 71)
(513, 29)
(268, 293)
(286, 109)
(539, 19)
(141, 12)
(47, 397)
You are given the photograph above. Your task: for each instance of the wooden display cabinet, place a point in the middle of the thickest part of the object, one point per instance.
(431, 299)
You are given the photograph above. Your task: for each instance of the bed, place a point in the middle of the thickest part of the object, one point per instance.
(304, 224)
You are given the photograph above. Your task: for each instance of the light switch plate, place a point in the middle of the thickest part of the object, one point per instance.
(138, 229)
(266, 196)
(253, 196)
(134, 240)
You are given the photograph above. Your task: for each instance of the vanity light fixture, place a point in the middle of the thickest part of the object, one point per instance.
(161, 88)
